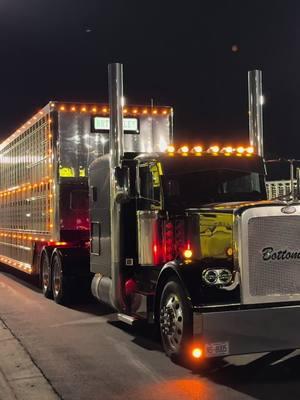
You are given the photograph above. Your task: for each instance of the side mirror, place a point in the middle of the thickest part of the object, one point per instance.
(122, 178)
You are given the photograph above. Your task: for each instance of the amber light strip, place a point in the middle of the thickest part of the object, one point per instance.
(25, 235)
(25, 186)
(16, 264)
(133, 110)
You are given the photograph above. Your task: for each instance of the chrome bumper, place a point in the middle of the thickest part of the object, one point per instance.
(223, 333)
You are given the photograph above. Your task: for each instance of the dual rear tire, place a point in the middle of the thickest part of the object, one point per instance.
(54, 283)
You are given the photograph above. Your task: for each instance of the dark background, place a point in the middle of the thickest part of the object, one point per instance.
(179, 53)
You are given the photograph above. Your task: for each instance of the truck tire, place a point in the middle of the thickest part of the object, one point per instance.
(175, 319)
(60, 288)
(46, 276)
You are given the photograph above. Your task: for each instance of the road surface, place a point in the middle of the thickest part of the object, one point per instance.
(85, 353)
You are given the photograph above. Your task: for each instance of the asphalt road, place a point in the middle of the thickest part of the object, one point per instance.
(86, 354)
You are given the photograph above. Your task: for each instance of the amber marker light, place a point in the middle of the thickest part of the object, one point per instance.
(228, 150)
(187, 253)
(170, 149)
(240, 150)
(229, 251)
(197, 150)
(184, 150)
(62, 108)
(197, 353)
(214, 150)
(250, 151)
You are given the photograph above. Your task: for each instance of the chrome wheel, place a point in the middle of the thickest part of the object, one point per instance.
(57, 277)
(171, 322)
(46, 276)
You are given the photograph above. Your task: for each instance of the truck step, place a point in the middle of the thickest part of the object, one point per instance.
(128, 319)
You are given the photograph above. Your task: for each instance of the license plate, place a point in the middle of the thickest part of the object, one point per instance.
(217, 349)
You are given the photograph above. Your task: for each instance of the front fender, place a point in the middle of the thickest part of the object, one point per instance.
(188, 275)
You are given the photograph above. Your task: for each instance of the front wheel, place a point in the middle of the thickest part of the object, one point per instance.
(60, 289)
(175, 319)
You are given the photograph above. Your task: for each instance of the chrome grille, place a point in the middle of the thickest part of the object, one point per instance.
(271, 256)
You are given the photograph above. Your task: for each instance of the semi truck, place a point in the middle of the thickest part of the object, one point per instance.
(184, 238)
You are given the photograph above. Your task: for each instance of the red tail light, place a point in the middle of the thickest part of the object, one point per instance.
(169, 240)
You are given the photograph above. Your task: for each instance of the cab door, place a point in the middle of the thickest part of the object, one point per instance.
(149, 207)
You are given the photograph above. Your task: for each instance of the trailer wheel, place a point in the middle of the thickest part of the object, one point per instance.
(61, 293)
(46, 276)
(175, 319)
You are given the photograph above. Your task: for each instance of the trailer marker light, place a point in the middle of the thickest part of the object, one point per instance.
(154, 112)
(197, 352)
(62, 108)
(61, 243)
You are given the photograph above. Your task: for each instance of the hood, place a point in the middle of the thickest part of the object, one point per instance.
(234, 206)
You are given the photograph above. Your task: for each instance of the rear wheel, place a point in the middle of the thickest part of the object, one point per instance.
(175, 320)
(60, 289)
(46, 276)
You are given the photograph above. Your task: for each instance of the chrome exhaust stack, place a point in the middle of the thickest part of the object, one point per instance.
(255, 111)
(109, 289)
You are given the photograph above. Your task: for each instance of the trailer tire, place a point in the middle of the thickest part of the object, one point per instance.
(175, 319)
(46, 276)
(60, 287)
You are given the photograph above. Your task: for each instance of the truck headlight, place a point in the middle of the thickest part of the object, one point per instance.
(218, 276)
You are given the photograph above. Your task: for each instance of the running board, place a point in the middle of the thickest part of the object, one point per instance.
(128, 319)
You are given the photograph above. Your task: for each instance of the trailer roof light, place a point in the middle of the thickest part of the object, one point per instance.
(197, 352)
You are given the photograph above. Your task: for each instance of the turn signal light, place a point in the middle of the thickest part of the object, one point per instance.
(188, 253)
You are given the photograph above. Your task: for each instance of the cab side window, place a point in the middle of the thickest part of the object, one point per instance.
(150, 186)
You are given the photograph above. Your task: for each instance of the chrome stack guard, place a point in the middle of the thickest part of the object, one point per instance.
(223, 333)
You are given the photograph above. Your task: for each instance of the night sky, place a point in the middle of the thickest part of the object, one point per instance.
(193, 55)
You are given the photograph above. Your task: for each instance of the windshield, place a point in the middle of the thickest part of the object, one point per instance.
(211, 186)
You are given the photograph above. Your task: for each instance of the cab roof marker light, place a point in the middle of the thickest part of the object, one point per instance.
(214, 150)
(240, 150)
(197, 150)
(184, 150)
